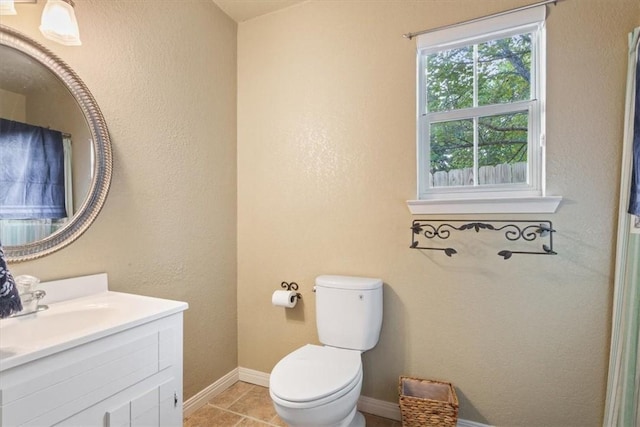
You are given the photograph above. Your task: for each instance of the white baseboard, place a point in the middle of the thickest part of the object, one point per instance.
(366, 404)
(467, 423)
(380, 408)
(201, 398)
(391, 410)
(254, 377)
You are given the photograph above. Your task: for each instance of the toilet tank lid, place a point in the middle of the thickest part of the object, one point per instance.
(348, 282)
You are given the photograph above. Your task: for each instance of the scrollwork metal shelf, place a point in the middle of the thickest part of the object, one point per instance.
(513, 231)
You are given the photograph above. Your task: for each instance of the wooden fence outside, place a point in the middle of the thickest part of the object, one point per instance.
(499, 174)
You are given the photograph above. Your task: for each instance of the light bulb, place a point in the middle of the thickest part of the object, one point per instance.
(59, 23)
(7, 7)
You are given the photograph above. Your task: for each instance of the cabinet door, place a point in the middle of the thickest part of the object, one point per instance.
(156, 407)
(145, 409)
(170, 403)
(119, 417)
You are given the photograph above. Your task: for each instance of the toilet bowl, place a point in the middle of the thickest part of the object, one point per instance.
(318, 386)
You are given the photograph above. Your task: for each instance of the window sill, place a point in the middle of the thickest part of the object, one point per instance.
(497, 205)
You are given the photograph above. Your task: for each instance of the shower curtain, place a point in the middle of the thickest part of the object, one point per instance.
(622, 407)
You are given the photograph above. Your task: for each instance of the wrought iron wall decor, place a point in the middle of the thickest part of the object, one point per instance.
(513, 231)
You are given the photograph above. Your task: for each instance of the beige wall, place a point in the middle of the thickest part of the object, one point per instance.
(164, 75)
(326, 160)
(13, 106)
(326, 156)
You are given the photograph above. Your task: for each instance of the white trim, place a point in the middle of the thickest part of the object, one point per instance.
(380, 408)
(547, 204)
(391, 411)
(467, 423)
(369, 405)
(481, 111)
(460, 34)
(254, 377)
(201, 398)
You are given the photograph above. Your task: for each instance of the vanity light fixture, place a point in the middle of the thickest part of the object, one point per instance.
(7, 7)
(59, 23)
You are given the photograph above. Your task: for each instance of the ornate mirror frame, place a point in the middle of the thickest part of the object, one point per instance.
(103, 161)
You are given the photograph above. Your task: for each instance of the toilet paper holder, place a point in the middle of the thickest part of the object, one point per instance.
(293, 286)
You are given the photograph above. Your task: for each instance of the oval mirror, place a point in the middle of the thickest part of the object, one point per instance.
(53, 138)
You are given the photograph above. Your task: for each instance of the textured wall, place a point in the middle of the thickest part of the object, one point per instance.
(326, 160)
(164, 75)
(13, 106)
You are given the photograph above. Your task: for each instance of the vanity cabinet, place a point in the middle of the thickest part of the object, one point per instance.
(131, 377)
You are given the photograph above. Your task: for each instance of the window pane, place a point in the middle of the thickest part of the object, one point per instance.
(451, 153)
(450, 79)
(504, 70)
(502, 148)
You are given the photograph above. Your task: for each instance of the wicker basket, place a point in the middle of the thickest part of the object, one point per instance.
(427, 403)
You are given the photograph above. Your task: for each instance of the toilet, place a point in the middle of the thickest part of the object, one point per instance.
(315, 385)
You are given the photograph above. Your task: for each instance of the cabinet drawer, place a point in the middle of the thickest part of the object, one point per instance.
(54, 395)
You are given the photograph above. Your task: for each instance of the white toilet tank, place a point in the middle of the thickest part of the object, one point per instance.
(349, 311)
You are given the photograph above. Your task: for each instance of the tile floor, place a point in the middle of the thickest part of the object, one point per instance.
(249, 405)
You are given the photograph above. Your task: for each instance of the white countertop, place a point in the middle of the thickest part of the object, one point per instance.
(75, 321)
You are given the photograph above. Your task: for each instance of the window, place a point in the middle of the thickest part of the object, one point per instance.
(481, 110)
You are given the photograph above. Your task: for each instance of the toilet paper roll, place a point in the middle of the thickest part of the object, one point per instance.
(286, 299)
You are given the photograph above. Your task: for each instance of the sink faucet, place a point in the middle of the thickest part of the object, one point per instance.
(29, 296)
(30, 302)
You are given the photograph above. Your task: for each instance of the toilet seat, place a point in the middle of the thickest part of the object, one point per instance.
(314, 375)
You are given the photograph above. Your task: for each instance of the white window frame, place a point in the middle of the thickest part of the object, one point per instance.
(503, 198)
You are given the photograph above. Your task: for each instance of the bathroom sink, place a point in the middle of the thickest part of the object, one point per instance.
(46, 326)
(76, 321)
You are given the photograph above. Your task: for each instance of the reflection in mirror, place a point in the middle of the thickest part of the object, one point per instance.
(55, 152)
(45, 151)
